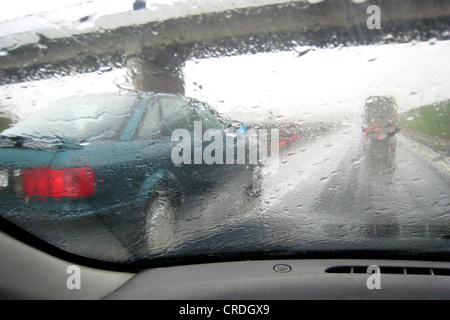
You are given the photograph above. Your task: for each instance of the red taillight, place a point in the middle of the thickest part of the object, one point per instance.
(58, 182)
(286, 140)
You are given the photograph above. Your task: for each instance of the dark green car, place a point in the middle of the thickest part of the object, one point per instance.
(107, 160)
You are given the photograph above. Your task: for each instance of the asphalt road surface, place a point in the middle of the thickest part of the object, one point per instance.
(336, 189)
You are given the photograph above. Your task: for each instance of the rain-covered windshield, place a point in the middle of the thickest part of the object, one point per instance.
(229, 129)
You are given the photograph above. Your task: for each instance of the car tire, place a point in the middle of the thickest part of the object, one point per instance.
(160, 220)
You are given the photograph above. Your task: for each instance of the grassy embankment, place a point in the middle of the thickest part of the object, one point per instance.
(431, 119)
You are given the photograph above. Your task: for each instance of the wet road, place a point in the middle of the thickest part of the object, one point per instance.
(344, 175)
(339, 188)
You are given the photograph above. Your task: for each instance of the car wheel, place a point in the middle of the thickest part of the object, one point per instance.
(160, 220)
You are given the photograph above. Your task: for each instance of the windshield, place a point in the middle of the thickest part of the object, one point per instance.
(228, 130)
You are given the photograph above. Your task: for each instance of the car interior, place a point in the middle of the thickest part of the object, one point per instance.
(354, 211)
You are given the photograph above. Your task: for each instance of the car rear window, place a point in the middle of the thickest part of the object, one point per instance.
(78, 118)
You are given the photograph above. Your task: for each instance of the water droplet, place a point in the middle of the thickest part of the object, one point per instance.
(125, 86)
(105, 69)
(432, 41)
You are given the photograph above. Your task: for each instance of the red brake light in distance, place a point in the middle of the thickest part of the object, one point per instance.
(59, 182)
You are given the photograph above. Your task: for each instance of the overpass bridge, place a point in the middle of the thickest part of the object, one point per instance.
(154, 44)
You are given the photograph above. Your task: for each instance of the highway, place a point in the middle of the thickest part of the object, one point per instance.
(335, 192)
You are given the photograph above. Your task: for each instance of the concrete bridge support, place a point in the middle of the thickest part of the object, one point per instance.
(156, 76)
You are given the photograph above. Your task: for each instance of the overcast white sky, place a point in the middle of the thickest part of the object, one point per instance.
(329, 84)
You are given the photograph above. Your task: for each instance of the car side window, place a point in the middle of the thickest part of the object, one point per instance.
(164, 115)
(150, 126)
(209, 119)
